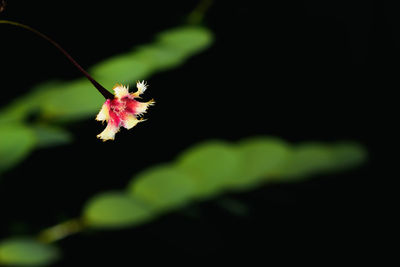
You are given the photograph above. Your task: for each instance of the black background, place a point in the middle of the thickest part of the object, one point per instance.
(300, 70)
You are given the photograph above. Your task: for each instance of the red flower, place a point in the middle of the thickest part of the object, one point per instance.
(122, 110)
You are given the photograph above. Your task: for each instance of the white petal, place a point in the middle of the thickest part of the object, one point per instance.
(104, 113)
(109, 132)
(131, 122)
(120, 90)
(141, 86)
(142, 107)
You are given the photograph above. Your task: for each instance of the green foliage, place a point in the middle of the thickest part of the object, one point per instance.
(186, 40)
(204, 171)
(262, 159)
(347, 154)
(66, 101)
(50, 135)
(16, 141)
(214, 167)
(163, 187)
(26, 252)
(201, 172)
(19, 109)
(165, 53)
(115, 210)
(61, 100)
(312, 158)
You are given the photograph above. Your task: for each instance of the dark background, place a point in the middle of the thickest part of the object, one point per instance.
(300, 70)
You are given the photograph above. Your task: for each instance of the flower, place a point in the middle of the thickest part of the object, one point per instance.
(123, 110)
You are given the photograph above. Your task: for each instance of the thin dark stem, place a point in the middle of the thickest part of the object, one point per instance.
(98, 86)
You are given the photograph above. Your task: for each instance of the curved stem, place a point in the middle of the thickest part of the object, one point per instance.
(98, 86)
(61, 230)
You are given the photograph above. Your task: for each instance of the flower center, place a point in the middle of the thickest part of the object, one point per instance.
(118, 107)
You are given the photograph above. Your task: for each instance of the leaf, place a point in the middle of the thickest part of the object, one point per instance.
(212, 165)
(51, 136)
(115, 210)
(26, 252)
(187, 39)
(19, 109)
(16, 141)
(78, 99)
(158, 57)
(262, 159)
(70, 101)
(308, 159)
(314, 158)
(123, 69)
(348, 154)
(16, 112)
(163, 187)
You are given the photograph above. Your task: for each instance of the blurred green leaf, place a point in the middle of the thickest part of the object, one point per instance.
(70, 101)
(158, 57)
(16, 141)
(262, 159)
(19, 109)
(308, 159)
(313, 158)
(347, 155)
(115, 210)
(73, 100)
(78, 99)
(216, 166)
(163, 187)
(50, 136)
(212, 165)
(187, 39)
(26, 252)
(201, 172)
(123, 69)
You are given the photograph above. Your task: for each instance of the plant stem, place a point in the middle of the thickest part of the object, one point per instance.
(61, 230)
(99, 87)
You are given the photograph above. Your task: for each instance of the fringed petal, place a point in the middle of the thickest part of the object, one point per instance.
(123, 110)
(104, 114)
(130, 121)
(109, 132)
(142, 107)
(120, 90)
(141, 86)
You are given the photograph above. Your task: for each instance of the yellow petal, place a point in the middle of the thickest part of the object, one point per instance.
(142, 107)
(108, 133)
(131, 122)
(104, 113)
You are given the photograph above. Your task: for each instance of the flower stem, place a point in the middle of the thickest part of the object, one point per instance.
(99, 87)
(61, 230)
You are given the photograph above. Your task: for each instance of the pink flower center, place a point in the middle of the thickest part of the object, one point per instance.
(121, 108)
